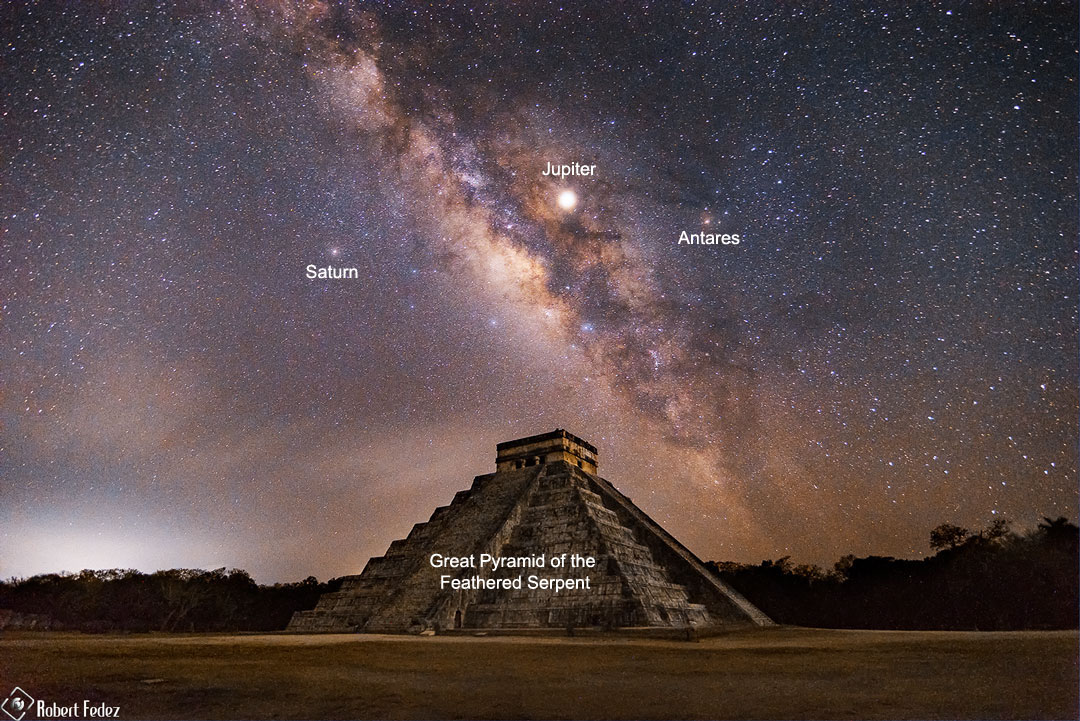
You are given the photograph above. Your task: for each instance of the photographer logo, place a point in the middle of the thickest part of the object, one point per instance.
(17, 703)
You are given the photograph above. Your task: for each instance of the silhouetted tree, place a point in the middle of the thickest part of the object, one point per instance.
(947, 536)
(994, 579)
(173, 600)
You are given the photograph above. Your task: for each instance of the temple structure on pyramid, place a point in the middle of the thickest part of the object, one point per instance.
(545, 499)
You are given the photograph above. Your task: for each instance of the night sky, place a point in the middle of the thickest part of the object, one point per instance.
(892, 344)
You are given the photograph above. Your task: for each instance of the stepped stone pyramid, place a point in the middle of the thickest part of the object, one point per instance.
(544, 498)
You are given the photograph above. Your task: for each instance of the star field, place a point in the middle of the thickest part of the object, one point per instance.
(892, 345)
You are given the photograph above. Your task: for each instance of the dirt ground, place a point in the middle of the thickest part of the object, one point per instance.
(777, 673)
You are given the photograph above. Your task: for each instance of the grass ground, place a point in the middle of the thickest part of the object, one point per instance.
(776, 673)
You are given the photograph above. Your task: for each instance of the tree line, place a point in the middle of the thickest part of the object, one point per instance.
(995, 579)
(174, 600)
